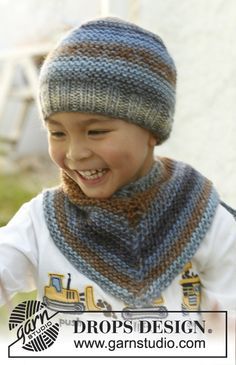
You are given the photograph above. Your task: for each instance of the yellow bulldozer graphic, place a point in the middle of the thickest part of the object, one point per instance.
(59, 298)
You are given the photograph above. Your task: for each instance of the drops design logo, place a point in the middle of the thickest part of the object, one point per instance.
(34, 327)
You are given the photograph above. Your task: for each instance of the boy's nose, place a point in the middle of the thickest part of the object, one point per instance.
(77, 151)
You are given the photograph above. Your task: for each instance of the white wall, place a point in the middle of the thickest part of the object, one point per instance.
(201, 36)
(27, 21)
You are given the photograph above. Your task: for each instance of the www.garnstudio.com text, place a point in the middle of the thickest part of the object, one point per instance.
(162, 343)
(143, 327)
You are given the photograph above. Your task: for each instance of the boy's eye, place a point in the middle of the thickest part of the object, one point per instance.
(57, 134)
(96, 132)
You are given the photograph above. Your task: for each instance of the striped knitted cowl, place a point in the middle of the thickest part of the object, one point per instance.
(136, 242)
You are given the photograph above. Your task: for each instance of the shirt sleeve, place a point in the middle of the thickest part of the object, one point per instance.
(18, 255)
(217, 262)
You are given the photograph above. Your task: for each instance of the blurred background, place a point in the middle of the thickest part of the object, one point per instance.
(200, 35)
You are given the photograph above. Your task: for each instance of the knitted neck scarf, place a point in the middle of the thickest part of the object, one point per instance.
(136, 242)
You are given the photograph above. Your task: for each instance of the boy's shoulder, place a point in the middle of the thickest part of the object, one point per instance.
(31, 211)
(219, 241)
(37, 201)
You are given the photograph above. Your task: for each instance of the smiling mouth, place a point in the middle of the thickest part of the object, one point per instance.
(92, 174)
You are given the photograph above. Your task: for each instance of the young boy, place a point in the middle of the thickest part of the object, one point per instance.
(123, 229)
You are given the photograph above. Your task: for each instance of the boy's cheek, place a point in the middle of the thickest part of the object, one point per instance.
(56, 157)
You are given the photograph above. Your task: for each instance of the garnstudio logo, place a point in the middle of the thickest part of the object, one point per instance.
(34, 326)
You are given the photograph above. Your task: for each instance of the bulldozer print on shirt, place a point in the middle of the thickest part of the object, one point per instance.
(64, 299)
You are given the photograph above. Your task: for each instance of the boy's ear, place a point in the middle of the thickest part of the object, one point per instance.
(153, 140)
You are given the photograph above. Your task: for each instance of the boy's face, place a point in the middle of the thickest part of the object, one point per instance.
(99, 153)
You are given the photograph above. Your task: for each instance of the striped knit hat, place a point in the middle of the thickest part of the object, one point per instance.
(111, 67)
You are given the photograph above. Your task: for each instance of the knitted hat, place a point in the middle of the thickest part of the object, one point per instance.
(115, 68)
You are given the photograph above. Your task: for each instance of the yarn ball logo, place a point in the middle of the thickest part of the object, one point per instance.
(33, 325)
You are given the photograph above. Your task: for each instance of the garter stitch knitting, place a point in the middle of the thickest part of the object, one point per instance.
(114, 68)
(135, 243)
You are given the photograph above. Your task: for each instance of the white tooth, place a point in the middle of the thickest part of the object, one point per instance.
(93, 174)
(92, 177)
(83, 173)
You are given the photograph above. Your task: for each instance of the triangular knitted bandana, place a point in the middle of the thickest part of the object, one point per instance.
(136, 242)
